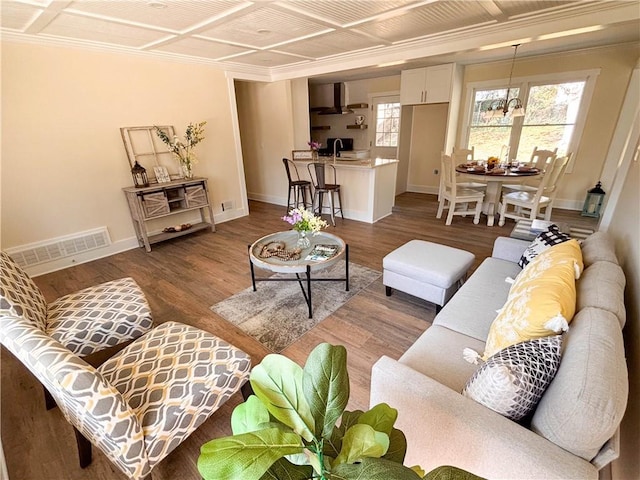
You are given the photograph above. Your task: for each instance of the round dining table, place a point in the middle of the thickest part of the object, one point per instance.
(494, 179)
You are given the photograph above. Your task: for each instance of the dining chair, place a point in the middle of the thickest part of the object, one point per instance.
(538, 204)
(143, 402)
(86, 322)
(540, 159)
(460, 156)
(453, 194)
(297, 188)
(319, 177)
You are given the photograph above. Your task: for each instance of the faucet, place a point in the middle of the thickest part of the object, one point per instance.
(335, 144)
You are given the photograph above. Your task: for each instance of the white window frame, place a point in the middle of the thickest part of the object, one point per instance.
(524, 84)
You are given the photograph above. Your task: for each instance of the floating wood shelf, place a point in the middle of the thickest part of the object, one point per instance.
(358, 105)
(321, 127)
(357, 127)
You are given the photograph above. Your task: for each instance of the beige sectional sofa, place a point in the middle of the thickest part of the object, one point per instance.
(573, 432)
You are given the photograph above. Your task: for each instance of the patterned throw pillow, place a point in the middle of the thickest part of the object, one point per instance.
(541, 302)
(513, 380)
(552, 236)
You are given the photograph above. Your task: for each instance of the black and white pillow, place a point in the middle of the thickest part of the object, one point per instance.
(552, 236)
(512, 381)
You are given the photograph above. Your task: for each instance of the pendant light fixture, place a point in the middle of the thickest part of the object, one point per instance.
(500, 108)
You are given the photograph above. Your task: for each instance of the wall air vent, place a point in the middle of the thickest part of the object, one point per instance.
(61, 247)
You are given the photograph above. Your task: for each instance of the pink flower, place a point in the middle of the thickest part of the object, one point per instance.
(314, 145)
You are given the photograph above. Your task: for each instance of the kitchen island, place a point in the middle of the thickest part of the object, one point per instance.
(367, 186)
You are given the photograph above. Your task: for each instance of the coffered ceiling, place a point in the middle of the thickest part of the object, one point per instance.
(271, 39)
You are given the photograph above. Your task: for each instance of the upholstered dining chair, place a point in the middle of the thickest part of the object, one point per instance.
(321, 185)
(144, 401)
(87, 321)
(532, 205)
(298, 189)
(453, 194)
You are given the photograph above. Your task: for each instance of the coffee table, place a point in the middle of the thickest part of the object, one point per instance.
(301, 268)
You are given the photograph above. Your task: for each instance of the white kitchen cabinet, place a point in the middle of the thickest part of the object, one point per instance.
(426, 85)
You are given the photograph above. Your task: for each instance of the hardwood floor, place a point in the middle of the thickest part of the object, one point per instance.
(182, 278)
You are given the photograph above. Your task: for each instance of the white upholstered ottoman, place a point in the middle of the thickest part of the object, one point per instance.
(426, 270)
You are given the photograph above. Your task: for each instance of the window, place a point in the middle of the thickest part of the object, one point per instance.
(553, 116)
(387, 124)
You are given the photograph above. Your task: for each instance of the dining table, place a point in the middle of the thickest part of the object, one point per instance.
(494, 179)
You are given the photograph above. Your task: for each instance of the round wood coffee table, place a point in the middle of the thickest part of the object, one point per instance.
(300, 266)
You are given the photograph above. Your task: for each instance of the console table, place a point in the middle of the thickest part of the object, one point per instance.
(165, 199)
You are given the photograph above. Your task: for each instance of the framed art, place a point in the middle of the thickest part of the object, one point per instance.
(162, 174)
(301, 154)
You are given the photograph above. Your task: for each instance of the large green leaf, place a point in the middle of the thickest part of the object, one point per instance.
(397, 446)
(249, 416)
(381, 418)
(246, 456)
(362, 441)
(325, 383)
(333, 445)
(447, 472)
(373, 469)
(277, 381)
(285, 470)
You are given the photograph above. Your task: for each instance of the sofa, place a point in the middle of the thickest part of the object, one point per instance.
(572, 432)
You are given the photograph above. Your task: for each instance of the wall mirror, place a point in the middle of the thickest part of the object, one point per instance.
(144, 146)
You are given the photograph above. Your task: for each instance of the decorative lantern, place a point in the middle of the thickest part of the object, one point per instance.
(139, 174)
(593, 202)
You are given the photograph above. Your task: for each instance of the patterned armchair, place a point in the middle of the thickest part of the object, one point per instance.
(144, 401)
(86, 321)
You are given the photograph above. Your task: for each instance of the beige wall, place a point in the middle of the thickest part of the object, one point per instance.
(428, 132)
(616, 64)
(63, 160)
(266, 126)
(625, 227)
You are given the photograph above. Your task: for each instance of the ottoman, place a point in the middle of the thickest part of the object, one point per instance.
(426, 270)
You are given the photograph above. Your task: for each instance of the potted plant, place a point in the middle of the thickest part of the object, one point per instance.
(288, 429)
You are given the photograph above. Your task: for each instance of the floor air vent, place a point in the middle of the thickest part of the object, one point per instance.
(61, 247)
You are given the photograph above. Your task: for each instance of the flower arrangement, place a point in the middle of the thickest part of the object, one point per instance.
(193, 135)
(313, 145)
(304, 220)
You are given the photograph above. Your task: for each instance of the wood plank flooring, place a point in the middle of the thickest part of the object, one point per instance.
(182, 278)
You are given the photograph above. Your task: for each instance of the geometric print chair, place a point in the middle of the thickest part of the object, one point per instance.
(86, 321)
(143, 402)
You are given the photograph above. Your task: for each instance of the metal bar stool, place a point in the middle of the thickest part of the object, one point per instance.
(297, 188)
(320, 187)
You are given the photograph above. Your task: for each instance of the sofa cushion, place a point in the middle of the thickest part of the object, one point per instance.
(513, 380)
(598, 246)
(431, 355)
(542, 300)
(473, 307)
(585, 402)
(550, 237)
(602, 286)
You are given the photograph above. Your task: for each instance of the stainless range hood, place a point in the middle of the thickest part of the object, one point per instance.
(338, 107)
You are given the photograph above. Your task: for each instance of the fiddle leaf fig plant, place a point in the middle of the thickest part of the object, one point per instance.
(289, 428)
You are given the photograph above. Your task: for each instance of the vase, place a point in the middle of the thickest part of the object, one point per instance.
(314, 156)
(303, 240)
(187, 170)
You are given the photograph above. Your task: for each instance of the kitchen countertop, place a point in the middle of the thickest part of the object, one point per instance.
(365, 163)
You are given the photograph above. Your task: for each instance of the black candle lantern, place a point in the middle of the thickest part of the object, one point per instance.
(593, 202)
(139, 174)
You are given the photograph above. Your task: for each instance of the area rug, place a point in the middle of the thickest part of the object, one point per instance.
(276, 314)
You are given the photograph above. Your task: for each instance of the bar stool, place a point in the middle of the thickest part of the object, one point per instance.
(320, 187)
(297, 187)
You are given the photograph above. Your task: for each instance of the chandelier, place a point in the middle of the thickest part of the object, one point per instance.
(500, 108)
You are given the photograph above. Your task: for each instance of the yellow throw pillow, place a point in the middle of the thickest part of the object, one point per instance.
(542, 300)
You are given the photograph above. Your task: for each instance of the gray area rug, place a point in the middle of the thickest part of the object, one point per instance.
(276, 314)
